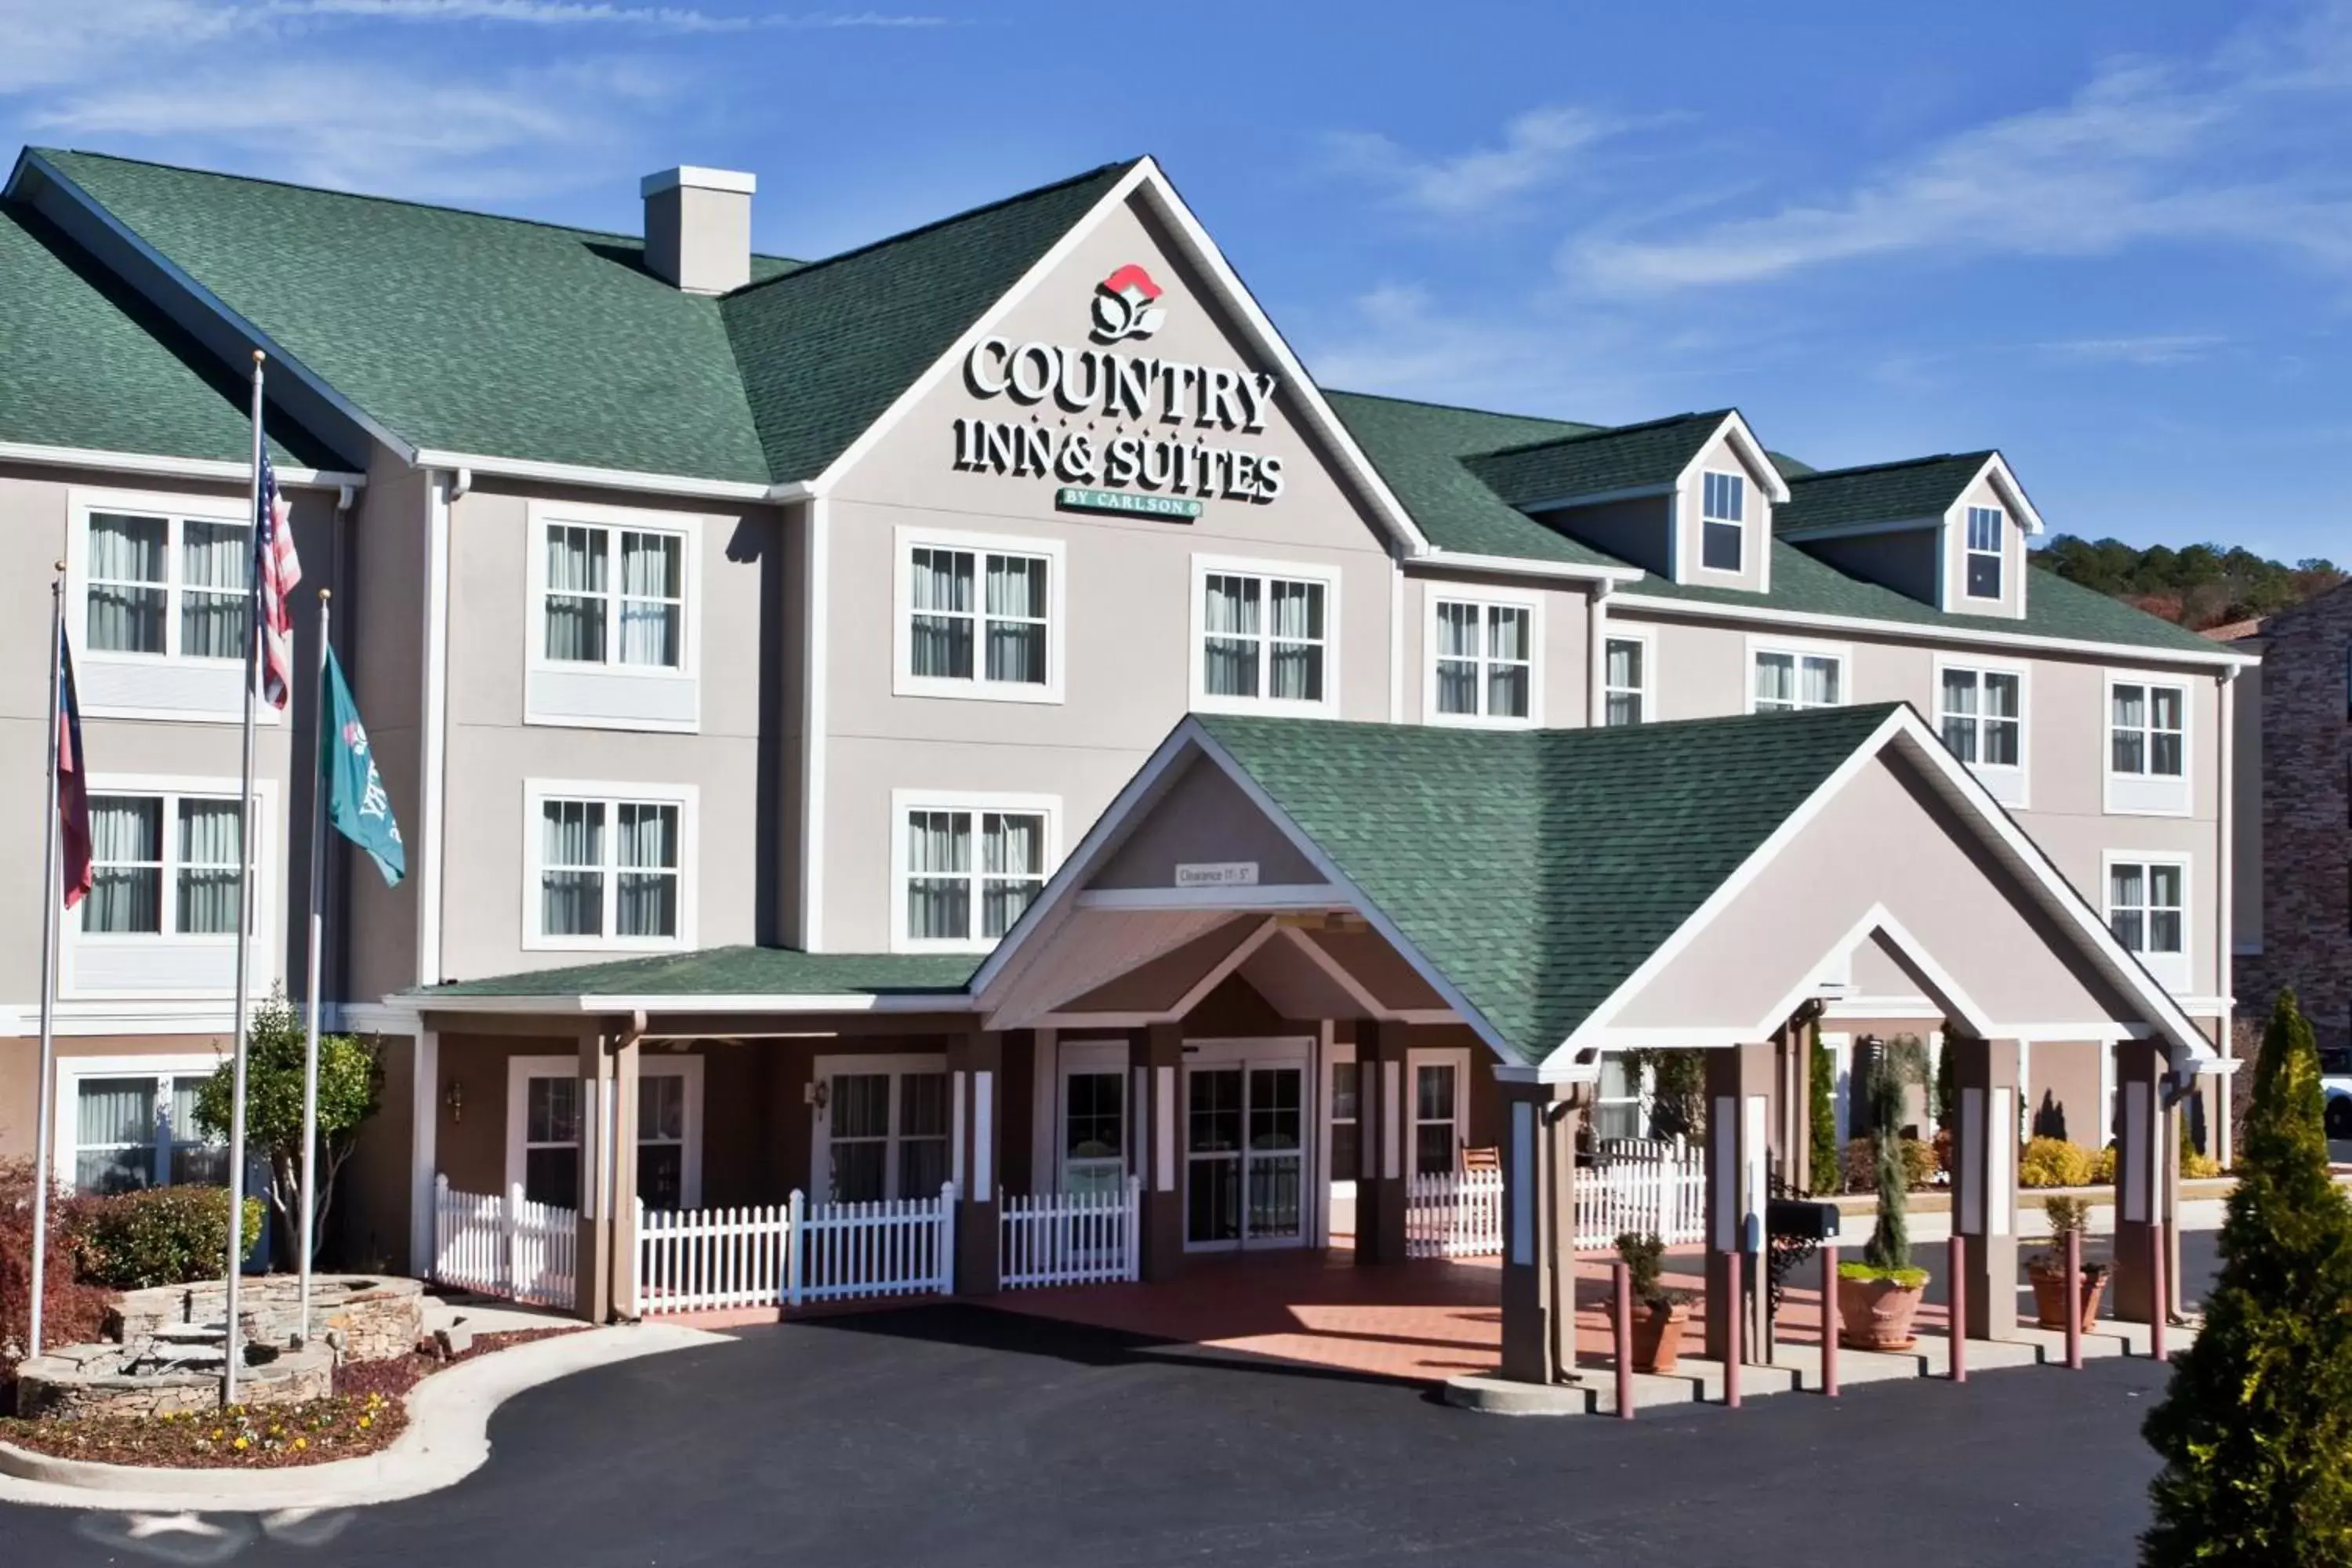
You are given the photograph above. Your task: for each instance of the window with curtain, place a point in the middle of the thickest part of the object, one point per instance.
(1625, 681)
(979, 616)
(1984, 540)
(1485, 659)
(550, 1141)
(1723, 521)
(2146, 732)
(1435, 1138)
(1263, 639)
(1788, 681)
(610, 869)
(1617, 1108)
(139, 1130)
(1980, 715)
(167, 586)
(1347, 1120)
(661, 1139)
(162, 864)
(615, 596)
(2146, 906)
(970, 872)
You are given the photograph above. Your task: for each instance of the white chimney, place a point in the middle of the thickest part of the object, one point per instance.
(698, 227)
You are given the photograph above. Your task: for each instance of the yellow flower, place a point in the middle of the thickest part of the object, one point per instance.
(240, 1445)
(218, 1434)
(367, 1420)
(300, 1443)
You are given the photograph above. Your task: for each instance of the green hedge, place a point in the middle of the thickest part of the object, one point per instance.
(162, 1235)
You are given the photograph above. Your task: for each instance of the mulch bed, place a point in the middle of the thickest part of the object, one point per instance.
(365, 1413)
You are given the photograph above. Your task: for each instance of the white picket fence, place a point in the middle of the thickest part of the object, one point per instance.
(1666, 1198)
(1454, 1216)
(789, 1253)
(505, 1245)
(1069, 1238)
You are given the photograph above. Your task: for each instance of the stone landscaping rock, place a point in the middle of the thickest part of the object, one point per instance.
(454, 1340)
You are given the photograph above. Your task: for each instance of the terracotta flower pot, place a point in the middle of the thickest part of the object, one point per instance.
(2050, 1295)
(1658, 1336)
(1876, 1314)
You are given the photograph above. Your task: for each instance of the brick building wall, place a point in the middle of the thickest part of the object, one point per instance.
(2306, 815)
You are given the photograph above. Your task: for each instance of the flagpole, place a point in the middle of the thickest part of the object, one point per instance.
(232, 1351)
(318, 926)
(45, 1116)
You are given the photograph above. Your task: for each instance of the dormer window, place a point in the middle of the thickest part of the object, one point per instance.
(1723, 521)
(1984, 552)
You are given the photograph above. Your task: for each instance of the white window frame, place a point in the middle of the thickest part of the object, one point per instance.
(2146, 794)
(905, 801)
(1484, 601)
(1644, 1093)
(1969, 551)
(65, 1124)
(264, 851)
(905, 682)
(521, 1070)
(1800, 649)
(824, 1069)
(93, 664)
(1090, 1059)
(1707, 517)
(2170, 969)
(2006, 785)
(1288, 571)
(616, 520)
(1645, 693)
(1415, 1058)
(611, 794)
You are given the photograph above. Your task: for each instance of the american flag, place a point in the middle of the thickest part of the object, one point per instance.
(277, 570)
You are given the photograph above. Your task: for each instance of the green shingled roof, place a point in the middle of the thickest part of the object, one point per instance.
(91, 365)
(1880, 493)
(1537, 869)
(1598, 462)
(731, 972)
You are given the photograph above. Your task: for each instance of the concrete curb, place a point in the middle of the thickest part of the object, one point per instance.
(447, 1439)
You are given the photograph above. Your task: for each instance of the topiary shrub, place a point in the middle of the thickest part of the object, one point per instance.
(2054, 1163)
(162, 1235)
(1887, 1254)
(2256, 1425)
(1821, 1158)
(73, 1312)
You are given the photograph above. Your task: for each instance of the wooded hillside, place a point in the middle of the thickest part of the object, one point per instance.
(2198, 586)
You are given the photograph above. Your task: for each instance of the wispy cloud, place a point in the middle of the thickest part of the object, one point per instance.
(1538, 148)
(2150, 350)
(586, 14)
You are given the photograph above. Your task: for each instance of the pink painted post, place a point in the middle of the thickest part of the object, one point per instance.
(2160, 1295)
(2074, 1300)
(1829, 1325)
(1734, 1351)
(1958, 1270)
(1621, 1278)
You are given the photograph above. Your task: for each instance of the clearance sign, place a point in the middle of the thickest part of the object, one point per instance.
(1154, 471)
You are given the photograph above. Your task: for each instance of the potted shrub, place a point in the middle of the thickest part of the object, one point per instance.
(1659, 1314)
(1878, 1295)
(2052, 1289)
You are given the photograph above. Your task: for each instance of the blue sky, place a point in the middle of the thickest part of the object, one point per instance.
(2115, 242)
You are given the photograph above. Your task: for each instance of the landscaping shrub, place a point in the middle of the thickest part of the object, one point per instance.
(1860, 1165)
(162, 1235)
(2054, 1163)
(2255, 1427)
(72, 1312)
(2103, 1167)
(1823, 1157)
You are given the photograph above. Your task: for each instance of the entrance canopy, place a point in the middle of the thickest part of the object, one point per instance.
(1566, 892)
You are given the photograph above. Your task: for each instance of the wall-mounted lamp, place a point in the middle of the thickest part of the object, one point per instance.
(815, 1093)
(453, 1097)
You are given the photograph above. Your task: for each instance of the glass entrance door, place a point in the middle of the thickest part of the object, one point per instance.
(1244, 1155)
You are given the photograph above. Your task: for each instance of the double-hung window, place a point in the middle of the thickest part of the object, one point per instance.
(610, 866)
(135, 1127)
(167, 586)
(967, 869)
(1984, 553)
(1981, 713)
(1723, 521)
(1788, 679)
(1484, 664)
(979, 617)
(1266, 637)
(162, 865)
(1625, 681)
(2147, 747)
(2148, 910)
(615, 596)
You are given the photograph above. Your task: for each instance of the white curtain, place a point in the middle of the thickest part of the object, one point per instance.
(2127, 905)
(1507, 646)
(1016, 619)
(195, 1159)
(1296, 623)
(1776, 680)
(2130, 729)
(2164, 908)
(126, 892)
(571, 860)
(938, 874)
(653, 595)
(646, 840)
(1821, 682)
(1012, 864)
(216, 580)
(1960, 713)
(1231, 622)
(575, 593)
(126, 552)
(1623, 681)
(1457, 658)
(208, 835)
(2164, 719)
(2001, 738)
(114, 1134)
(942, 584)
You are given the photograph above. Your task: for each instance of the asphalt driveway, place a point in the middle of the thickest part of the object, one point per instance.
(953, 1435)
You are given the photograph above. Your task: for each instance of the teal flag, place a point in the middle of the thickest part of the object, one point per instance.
(356, 802)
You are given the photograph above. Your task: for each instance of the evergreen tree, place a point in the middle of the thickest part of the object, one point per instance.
(1824, 1154)
(2256, 1429)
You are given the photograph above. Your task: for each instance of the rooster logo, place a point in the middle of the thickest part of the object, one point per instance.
(1123, 306)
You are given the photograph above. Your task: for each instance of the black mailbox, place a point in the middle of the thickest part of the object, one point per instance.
(1801, 1219)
